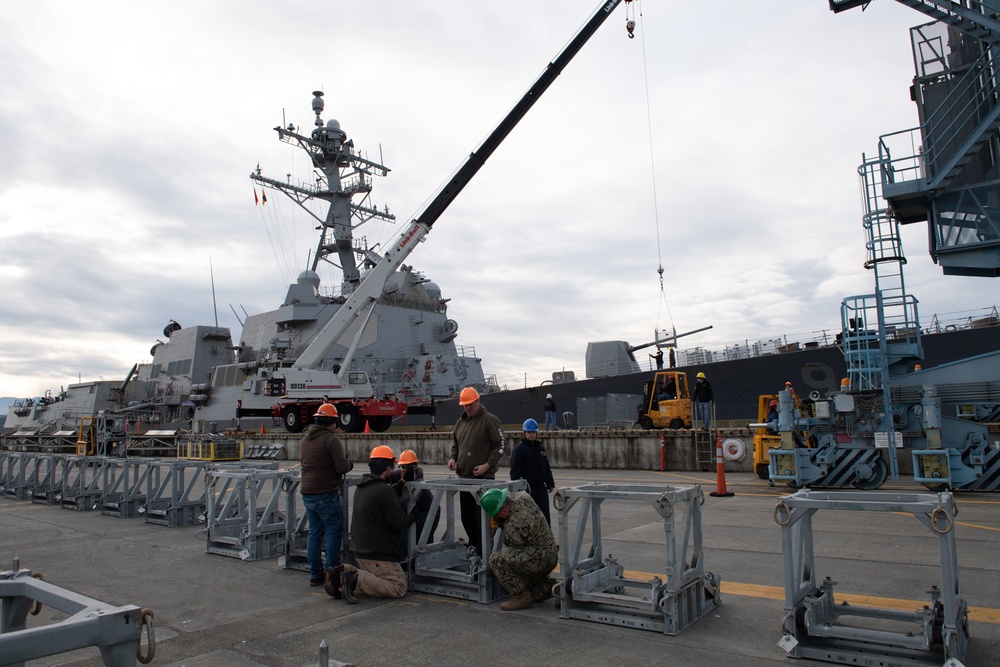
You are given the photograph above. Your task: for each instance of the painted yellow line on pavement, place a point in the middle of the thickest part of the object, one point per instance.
(979, 614)
(976, 525)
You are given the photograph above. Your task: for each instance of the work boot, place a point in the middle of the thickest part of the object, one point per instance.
(349, 584)
(331, 584)
(543, 592)
(520, 601)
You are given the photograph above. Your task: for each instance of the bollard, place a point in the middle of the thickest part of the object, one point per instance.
(720, 472)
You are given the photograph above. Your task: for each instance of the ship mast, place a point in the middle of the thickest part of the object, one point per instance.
(342, 174)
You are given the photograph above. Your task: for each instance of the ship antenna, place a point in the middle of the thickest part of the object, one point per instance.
(236, 314)
(215, 308)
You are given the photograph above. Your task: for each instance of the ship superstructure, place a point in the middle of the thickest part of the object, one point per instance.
(404, 347)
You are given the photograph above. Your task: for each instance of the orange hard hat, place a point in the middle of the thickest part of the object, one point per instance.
(468, 395)
(773, 402)
(788, 384)
(382, 452)
(326, 410)
(407, 456)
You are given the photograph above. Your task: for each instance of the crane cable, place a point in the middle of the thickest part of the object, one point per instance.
(630, 23)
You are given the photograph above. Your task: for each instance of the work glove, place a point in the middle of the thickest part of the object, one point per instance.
(399, 487)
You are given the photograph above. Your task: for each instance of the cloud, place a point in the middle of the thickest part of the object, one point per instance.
(124, 189)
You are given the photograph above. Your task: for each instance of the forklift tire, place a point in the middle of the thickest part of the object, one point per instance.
(761, 470)
(645, 422)
(676, 422)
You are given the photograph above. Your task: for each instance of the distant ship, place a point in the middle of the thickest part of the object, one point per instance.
(198, 378)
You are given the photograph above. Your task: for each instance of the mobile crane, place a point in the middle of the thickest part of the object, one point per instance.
(302, 385)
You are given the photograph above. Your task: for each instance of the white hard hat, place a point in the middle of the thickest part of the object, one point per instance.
(548, 395)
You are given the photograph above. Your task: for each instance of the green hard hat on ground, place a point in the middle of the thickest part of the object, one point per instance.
(492, 500)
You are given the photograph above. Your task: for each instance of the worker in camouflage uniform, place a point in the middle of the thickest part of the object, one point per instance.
(529, 551)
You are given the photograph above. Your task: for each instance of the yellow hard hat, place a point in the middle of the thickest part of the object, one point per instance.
(468, 395)
(701, 375)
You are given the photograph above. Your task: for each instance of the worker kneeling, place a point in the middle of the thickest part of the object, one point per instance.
(377, 522)
(529, 555)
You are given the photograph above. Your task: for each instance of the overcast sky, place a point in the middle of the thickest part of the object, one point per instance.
(128, 131)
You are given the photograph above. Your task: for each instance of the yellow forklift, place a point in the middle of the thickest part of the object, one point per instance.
(674, 410)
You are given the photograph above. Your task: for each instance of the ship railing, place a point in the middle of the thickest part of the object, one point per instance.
(931, 152)
(467, 351)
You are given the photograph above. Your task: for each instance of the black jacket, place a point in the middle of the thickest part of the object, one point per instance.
(530, 462)
(702, 392)
(377, 520)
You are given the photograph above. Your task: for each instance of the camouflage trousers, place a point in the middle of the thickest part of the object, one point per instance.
(381, 579)
(521, 569)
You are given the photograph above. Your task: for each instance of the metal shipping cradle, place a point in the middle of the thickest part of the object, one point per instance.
(593, 587)
(446, 565)
(936, 634)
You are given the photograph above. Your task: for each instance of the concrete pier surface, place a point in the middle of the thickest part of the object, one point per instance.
(218, 611)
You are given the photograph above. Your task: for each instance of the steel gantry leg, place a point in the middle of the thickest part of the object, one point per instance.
(447, 565)
(593, 587)
(932, 635)
(116, 631)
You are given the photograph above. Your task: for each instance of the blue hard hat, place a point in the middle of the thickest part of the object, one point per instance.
(530, 425)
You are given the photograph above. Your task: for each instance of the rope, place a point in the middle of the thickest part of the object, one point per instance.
(652, 169)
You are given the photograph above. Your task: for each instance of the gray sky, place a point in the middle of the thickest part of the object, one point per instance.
(129, 130)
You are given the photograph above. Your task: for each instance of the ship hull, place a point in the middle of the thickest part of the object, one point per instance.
(736, 383)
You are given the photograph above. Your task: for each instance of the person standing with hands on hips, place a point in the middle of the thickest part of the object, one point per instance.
(703, 399)
(477, 446)
(550, 412)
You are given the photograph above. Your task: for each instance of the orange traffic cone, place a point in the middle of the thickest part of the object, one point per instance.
(262, 429)
(368, 428)
(720, 472)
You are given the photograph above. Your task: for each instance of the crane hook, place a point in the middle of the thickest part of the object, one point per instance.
(630, 27)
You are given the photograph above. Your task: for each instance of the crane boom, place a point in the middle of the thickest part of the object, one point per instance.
(370, 288)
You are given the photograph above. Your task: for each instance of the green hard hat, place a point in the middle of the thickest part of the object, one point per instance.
(492, 500)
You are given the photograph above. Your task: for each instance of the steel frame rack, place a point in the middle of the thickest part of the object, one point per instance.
(449, 566)
(594, 587)
(811, 627)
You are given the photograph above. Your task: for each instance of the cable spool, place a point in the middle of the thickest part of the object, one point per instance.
(733, 449)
